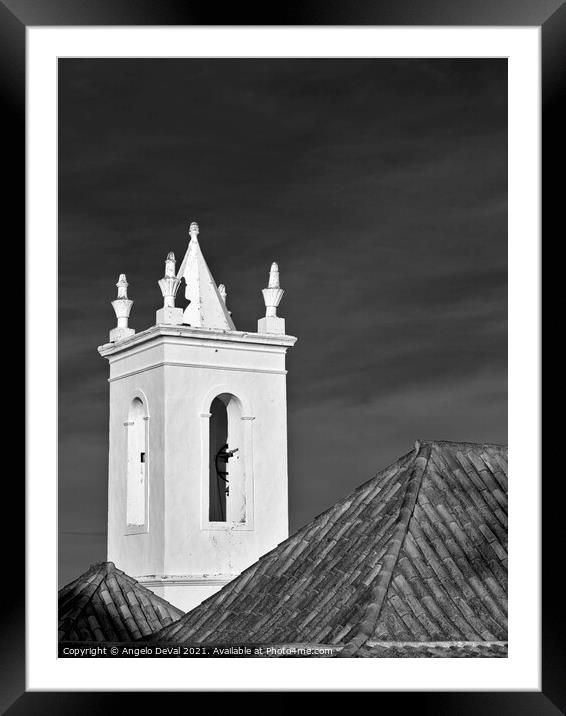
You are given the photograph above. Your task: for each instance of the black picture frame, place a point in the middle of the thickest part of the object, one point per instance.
(15, 17)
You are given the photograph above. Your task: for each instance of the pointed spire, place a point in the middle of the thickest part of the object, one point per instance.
(122, 306)
(169, 284)
(206, 308)
(272, 296)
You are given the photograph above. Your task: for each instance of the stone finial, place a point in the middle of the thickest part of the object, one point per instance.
(169, 284)
(122, 306)
(272, 296)
(170, 265)
(193, 230)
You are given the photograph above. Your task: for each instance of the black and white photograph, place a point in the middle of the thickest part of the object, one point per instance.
(282, 346)
(282, 357)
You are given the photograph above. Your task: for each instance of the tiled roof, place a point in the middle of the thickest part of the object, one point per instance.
(417, 554)
(105, 604)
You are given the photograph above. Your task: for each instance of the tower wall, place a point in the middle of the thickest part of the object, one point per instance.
(182, 554)
(136, 551)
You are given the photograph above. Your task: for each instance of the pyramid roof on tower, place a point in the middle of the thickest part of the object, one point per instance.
(206, 308)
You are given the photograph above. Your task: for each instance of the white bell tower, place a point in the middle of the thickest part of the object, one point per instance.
(198, 436)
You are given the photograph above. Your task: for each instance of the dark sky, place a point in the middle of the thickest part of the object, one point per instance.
(380, 187)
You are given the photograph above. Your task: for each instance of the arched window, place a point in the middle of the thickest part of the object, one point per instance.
(227, 493)
(137, 465)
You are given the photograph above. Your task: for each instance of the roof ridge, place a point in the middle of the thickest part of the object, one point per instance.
(350, 496)
(135, 584)
(462, 442)
(347, 498)
(389, 559)
(92, 568)
(100, 572)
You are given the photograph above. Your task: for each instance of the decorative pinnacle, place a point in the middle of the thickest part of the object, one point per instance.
(193, 230)
(274, 276)
(223, 295)
(273, 294)
(170, 265)
(122, 307)
(122, 286)
(169, 283)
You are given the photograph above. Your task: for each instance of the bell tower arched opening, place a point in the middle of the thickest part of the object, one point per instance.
(227, 490)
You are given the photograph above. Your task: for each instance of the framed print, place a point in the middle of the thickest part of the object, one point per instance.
(283, 315)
